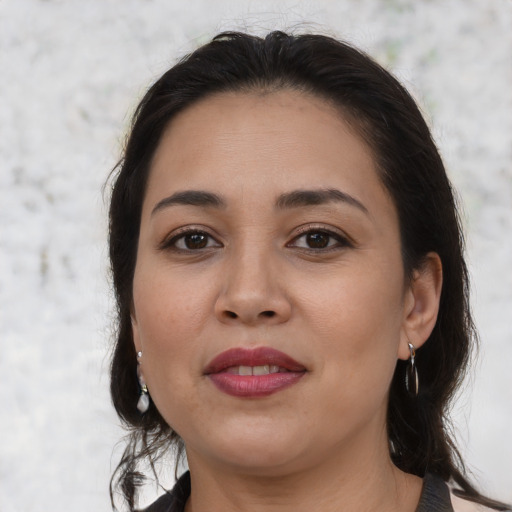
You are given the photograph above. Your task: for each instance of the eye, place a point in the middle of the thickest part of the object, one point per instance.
(192, 240)
(318, 239)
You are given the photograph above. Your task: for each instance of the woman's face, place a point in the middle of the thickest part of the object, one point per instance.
(269, 297)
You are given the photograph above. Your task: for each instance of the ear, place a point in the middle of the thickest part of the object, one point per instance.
(421, 304)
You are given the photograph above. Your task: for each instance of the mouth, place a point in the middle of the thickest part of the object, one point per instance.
(264, 369)
(253, 373)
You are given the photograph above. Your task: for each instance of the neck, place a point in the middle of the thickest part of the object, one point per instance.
(363, 479)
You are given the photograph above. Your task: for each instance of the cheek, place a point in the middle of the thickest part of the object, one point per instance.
(357, 319)
(355, 303)
(171, 314)
(166, 303)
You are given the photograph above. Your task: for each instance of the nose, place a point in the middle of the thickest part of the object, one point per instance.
(252, 292)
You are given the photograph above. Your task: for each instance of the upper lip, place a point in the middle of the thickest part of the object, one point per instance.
(252, 357)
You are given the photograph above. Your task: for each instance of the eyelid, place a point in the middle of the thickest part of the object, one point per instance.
(168, 243)
(344, 239)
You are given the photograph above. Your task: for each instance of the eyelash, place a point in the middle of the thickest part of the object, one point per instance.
(340, 241)
(171, 243)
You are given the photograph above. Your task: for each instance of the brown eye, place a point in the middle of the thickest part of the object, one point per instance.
(320, 240)
(317, 240)
(191, 241)
(196, 241)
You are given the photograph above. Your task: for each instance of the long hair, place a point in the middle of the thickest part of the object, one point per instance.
(383, 113)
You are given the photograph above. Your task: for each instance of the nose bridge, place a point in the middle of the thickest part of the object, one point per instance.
(251, 290)
(251, 272)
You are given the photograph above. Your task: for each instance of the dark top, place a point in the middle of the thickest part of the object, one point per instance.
(435, 496)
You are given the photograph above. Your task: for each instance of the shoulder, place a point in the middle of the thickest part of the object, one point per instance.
(162, 504)
(439, 496)
(173, 501)
(462, 505)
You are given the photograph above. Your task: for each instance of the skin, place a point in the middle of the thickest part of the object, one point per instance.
(345, 311)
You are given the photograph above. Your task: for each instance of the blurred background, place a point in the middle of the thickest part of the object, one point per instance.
(71, 74)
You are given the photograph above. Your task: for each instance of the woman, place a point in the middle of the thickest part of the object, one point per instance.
(293, 298)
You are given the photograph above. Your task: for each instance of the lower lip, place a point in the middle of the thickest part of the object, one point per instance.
(249, 386)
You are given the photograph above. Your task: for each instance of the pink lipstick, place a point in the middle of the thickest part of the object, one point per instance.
(256, 372)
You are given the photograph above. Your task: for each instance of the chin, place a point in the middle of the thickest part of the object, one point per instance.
(255, 450)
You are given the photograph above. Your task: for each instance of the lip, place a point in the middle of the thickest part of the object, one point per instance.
(250, 386)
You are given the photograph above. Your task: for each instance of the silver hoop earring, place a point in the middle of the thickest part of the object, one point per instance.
(143, 402)
(412, 383)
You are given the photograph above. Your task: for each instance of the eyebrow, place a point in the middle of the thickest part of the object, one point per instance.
(299, 198)
(288, 200)
(191, 198)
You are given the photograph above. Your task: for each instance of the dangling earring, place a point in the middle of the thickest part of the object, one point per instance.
(143, 403)
(412, 383)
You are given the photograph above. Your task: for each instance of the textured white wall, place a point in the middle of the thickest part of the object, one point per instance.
(71, 71)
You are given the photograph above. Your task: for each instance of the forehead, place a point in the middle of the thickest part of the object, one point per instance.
(268, 143)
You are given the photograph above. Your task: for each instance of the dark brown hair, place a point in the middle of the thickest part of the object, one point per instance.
(387, 118)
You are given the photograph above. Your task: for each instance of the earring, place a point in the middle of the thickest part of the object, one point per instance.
(412, 383)
(143, 403)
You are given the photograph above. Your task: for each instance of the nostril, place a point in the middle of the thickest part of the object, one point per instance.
(263, 314)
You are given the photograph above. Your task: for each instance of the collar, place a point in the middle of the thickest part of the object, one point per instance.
(435, 496)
